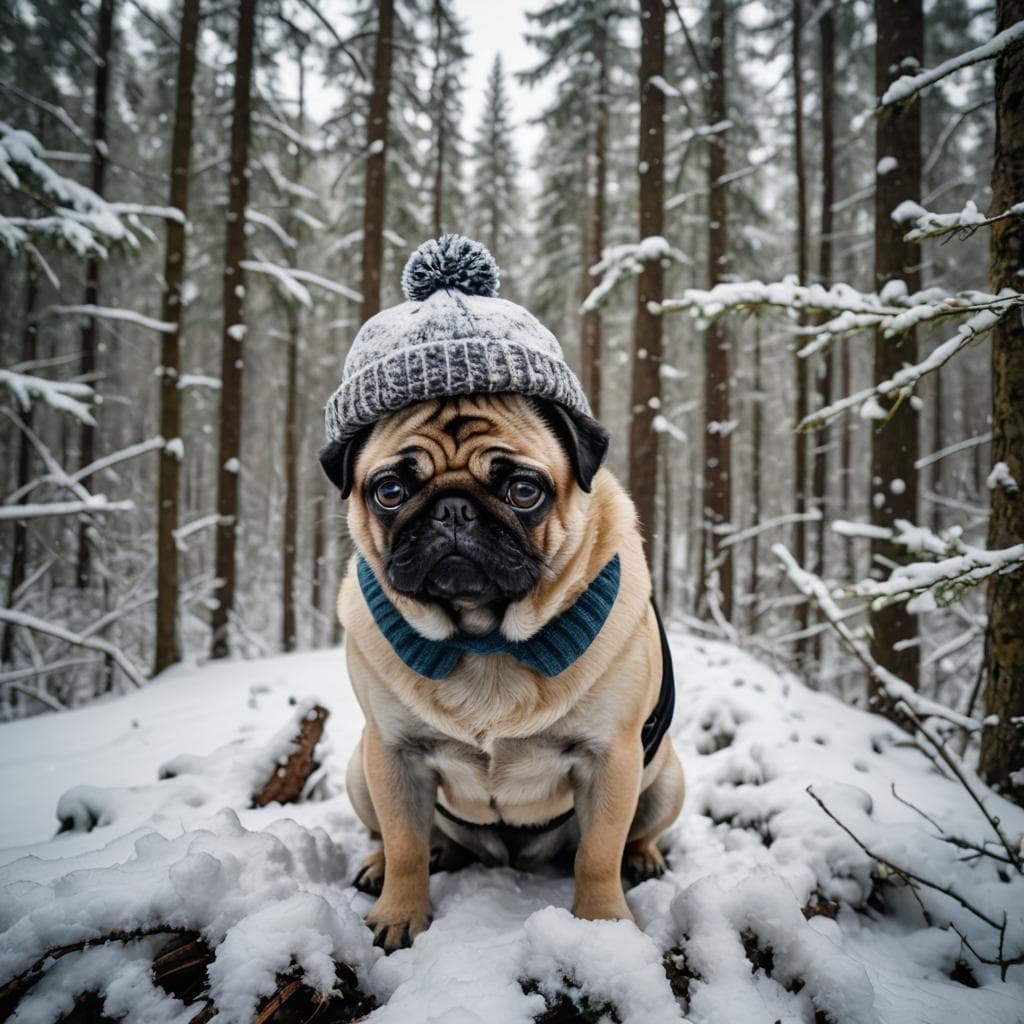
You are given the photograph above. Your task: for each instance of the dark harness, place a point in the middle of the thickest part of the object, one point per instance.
(651, 735)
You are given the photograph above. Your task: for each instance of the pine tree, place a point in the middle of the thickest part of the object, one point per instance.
(647, 329)
(233, 339)
(166, 640)
(717, 345)
(1002, 743)
(449, 54)
(496, 202)
(899, 48)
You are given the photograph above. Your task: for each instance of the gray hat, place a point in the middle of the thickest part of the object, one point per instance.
(453, 336)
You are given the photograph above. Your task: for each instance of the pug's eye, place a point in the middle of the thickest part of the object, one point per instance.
(389, 493)
(524, 495)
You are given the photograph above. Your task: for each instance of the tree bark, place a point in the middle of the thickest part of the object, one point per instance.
(233, 342)
(439, 92)
(717, 344)
(19, 546)
(376, 160)
(289, 544)
(819, 485)
(167, 644)
(104, 42)
(756, 442)
(899, 47)
(1002, 743)
(647, 328)
(594, 217)
(800, 365)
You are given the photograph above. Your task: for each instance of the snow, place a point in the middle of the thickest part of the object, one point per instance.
(199, 380)
(66, 396)
(886, 165)
(175, 447)
(619, 262)
(237, 332)
(1001, 477)
(116, 313)
(907, 85)
(267, 888)
(232, 465)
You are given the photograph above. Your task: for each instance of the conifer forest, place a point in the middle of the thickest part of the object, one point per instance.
(781, 243)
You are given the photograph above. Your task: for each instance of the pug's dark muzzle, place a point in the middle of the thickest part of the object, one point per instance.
(457, 552)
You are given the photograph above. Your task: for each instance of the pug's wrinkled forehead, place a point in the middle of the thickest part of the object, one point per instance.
(478, 435)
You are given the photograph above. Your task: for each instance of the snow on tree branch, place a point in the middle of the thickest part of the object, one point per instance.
(265, 221)
(64, 396)
(75, 215)
(934, 225)
(907, 86)
(113, 313)
(289, 281)
(927, 585)
(814, 588)
(903, 382)
(16, 618)
(619, 262)
(96, 503)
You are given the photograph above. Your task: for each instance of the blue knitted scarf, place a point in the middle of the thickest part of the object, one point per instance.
(551, 651)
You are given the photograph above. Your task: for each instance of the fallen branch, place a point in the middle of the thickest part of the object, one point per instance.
(287, 784)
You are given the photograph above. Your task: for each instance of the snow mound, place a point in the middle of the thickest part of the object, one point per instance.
(265, 902)
(770, 910)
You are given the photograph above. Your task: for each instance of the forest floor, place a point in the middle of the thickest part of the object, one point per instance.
(770, 911)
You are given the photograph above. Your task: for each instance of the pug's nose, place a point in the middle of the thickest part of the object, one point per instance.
(454, 510)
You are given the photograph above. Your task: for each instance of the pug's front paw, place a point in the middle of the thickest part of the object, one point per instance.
(395, 925)
(595, 906)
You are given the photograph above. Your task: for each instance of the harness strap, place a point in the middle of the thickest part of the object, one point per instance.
(653, 732)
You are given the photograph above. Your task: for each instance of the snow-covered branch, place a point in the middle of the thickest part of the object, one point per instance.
(96, 503)
(65, 396)
(988, 314)
(265, 221)
(907, 86)
(113, 313)
(74, 214)
(290, 282)
(925, 585)
(814, 588)
(928, 224)
(26, 621)
(619, 262)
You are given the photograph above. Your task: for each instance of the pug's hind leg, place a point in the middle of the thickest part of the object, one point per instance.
(370, 876)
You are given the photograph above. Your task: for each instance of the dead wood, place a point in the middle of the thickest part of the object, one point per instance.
(286, 784)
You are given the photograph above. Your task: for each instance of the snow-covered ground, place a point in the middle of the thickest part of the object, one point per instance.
(268, 889)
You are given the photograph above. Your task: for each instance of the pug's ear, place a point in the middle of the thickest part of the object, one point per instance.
(584, 439)
(338, 459)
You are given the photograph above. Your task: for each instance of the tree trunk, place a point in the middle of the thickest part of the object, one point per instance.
(1002, 743)
(233, 342)
(594, 216)
(800, 365)
(647, 329)
(756, 432)
(19, 545)
(167, 649)
(717, 345)
(819, 485)
(376, 160)
(894, 442)
(439, 92)
(104, 41)
(289, 545)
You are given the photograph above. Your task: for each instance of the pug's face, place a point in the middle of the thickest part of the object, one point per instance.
(462, 503)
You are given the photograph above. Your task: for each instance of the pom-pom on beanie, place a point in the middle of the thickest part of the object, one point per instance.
(453, 336)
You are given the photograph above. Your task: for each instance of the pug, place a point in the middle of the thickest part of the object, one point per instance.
(505, 651)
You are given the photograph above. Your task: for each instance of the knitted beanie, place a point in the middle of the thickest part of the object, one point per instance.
(453, 336)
